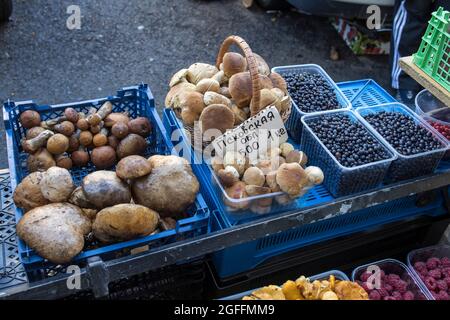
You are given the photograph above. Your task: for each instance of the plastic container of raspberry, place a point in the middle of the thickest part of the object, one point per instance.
(435, 112)
(294, 124)
(340, 180)
(422, 255)
(412, 166)
(392, 266)
(339, 275)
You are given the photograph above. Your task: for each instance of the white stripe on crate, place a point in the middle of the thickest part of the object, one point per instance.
(399, 24)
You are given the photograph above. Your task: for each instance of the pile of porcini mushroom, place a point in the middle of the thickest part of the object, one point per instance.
(74, 139)
(142, 197)
(222, 98)
(281, 169)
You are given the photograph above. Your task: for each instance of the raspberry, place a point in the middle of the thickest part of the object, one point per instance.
(392, 279)
(419, 266)
(433, 263)
(388, 287)
(401, 286)
(447, 281)
(445, 262)
(436, 273)
(374, 295)
(364, 286)
(397, 295)
(389, 298)
(424, 272)
(408, 295)
(430, 282)
(365, 276)
(442, 295)
(383, 292)
(442, 285)
(446, 271)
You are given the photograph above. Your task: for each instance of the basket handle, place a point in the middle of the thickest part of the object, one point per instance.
(252, 67)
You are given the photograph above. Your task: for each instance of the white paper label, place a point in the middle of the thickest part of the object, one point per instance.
(254, 136)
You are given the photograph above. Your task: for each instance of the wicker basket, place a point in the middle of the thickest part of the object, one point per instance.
(256, 86)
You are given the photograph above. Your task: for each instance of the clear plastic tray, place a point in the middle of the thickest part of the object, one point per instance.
(295, 129)
(339, 275)
(412, 166)
(439, 251)
(390, 266)
(340, 180)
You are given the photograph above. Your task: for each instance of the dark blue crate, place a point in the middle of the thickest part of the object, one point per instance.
(339, 275)
(363, 93)
(412, 166)
(137, 101)
(241, 258)
(340, 180)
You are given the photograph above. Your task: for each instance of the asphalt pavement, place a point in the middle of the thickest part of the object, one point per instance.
(122, 43)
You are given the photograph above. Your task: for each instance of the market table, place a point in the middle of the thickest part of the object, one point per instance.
(98, 274)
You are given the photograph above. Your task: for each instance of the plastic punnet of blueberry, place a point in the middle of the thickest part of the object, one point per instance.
(311, 92)
(349, 142)
(403, 133)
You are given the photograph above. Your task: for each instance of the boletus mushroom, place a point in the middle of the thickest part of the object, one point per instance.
(57, 144)
(30, 119)
(236, 193)
(103, 157)
(217, 118)
(41, 160)
(199, 71)
(133, 144)
(133, 167)
(140, 126)
(28, 195)
(233, 63)
(292, 178)
(105, 189)
(57, 184)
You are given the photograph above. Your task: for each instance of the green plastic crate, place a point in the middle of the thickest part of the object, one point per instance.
(433, 56)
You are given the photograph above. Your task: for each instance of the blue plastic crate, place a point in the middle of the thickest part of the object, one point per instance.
(339, 275)
(137, 101)
(392, 266)
(412, 166)
(293, 124)
(341, 180)
(238, 259)
(363, 93)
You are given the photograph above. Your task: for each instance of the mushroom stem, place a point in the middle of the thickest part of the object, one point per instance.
(49, 124)
(35, 144)
(101, 114)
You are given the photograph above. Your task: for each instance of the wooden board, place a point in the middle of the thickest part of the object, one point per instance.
(425, 80)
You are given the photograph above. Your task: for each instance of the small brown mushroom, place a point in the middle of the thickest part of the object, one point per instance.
(96, 128)
(237, 192)
(191, 105)
(297, 157)
(101, 138)
(133, 144)
(86, 138)
(233, 63)
(41, 160)
(116, 117)
(101, 114)
(32, 145)
(271, 181)
(254, 191)
(34, 132)
(80, 158)
(254, 176)
(236, 160)
(103, 157)
(228, 176)
(133, 167)
(240, 86)
(292, 178)
(140, 126)
(74, 142)
(315, 175)
(72, 115)
(113, 142)
(64, 161)
(30, 119)
(58, 144)
(286, 148)
(83, 124)
(66, 128)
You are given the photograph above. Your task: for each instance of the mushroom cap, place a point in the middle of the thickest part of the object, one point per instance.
(178, 77)
(205, 85)
(286, 148)
(72, 115)
(58, 144)
(228, 176)
(133, 167)
(175, 91)
(216, 116)
(34, 132)
(211, 97)
(57, 184)
(237, 191)
(120, 130)
(105, 189)
(80, 158)
(236, 160)
(292, 178)
(271, 181)
(239, 115)
(297, 157)
(268, 98)
(103, 157)
(41, 160)
(272, 164)
(233, 63)
(114, 118)
(253, 190)
(265, 82)
(28, 194)
(315, 175)
(199, 71)
(278, 81)
(240, 86)
(133, 144)
(30, 119)
(192, 101)
(141, 126)
(254, 176)
(170, 160)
